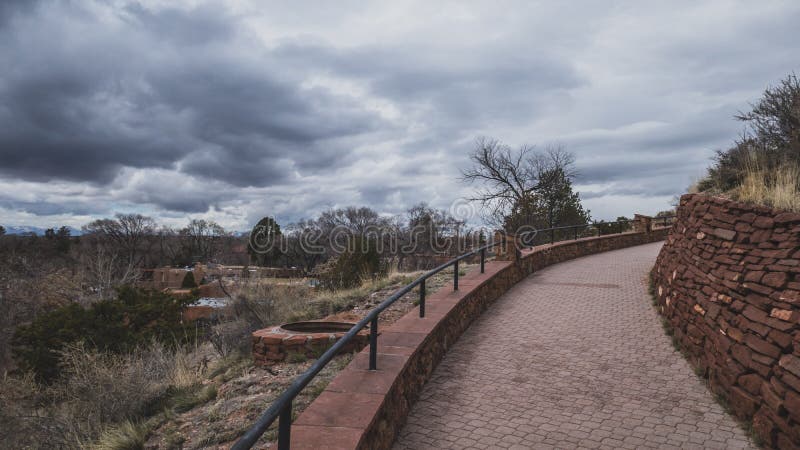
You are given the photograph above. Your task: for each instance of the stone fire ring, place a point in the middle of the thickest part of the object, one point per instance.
(311, 338)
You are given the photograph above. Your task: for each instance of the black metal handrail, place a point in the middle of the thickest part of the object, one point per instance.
(597, 225)
(281, 408)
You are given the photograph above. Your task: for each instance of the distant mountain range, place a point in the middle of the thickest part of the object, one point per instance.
(36, 230)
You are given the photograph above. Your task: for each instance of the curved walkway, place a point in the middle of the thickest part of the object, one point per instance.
(574, 356)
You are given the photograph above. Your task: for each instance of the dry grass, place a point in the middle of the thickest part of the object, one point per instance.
(778, 189)
(102, 400)
(262, 303)
(115, 401)
(125, 436)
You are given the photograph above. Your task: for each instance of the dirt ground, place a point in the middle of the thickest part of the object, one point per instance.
(244, 391)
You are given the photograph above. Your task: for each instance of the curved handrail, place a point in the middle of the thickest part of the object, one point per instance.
(282, 406)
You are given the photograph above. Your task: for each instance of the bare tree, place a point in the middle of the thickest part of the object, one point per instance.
(513, 179)
(104, 270)
(358, 221)
(201, 239)
(130, 234)
(775, 118)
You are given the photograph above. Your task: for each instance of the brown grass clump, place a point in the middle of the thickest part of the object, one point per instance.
(101, 400)
(779, 188)
(263, 303)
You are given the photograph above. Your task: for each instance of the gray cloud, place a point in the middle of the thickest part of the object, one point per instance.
(233, 111)
(103, 105)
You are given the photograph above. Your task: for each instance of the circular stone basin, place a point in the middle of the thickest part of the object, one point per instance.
(310, 338)
(317, 327)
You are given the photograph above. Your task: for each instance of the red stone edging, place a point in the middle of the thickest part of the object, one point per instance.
(365, 409)
(728, 283)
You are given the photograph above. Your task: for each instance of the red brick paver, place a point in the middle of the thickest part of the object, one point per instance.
(573, 356)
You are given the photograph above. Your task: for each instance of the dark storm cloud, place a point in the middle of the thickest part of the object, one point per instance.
(162, 95)
(460, 85)
(11, 8)
(235, 110)
(200, 25)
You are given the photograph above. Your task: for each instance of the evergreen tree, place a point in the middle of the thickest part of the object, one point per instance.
(552, 203)
(188, 281)
(263, 245)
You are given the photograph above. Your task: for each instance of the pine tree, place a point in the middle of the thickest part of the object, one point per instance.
(263, 243)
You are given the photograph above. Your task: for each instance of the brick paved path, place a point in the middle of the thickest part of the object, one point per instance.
(574, 356)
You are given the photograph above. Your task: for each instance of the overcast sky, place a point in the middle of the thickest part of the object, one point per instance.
(235, 110)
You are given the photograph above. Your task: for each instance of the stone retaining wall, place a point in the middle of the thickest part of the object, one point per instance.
(728, 283)
(365, 409)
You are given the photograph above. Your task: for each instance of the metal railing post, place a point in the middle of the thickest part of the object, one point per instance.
(281, 409)
(285, 427)
(373, 344)
(422, 299)
(576, 233)
(455, 276)
(552, 236)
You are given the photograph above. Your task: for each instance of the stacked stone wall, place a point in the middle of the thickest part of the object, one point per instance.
(728, 283)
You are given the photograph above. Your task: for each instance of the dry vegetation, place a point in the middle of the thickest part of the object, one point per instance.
(187, 396)
(763, 165)
(778, 188)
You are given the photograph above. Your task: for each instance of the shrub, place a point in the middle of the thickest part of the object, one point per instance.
(134, 318)
(359, 262)
(103, 387)
(232, 336)
(97, 398)
(770, 143)
(188, 281)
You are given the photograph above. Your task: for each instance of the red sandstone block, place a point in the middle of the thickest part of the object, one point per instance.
(722, 233)
(792, 404)
(754, 276)
(789, 296)
(791, 363)
(778, 386)
(762, 346)
(770, 397)
(766, 361)
(742, 403)
(334, 409)
(783, 314)
(306, 437)
(755, 287)
(750, 382)
(775, 279)
(735, 334)
(787, 218)
(295, 340)
(275, 356)
(784, 442)
(763, 222)
(763, 426)
(784, 340)
(747, 217)
(755, 314)
(787, 378)
(758, 328)
(742, 354)
(737, 305)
